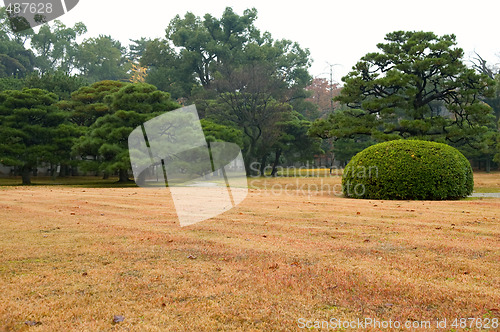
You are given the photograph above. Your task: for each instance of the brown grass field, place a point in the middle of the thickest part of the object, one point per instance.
(73, 257)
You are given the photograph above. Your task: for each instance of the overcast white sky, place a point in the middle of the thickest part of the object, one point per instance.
(336, 32)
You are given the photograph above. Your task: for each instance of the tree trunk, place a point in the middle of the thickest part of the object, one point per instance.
(63, 170)
(276, 162)
(263, 165)
(123, 173)
(53, 173)
(248, 159)
(249, 155)
(26, 175)
(74, 170)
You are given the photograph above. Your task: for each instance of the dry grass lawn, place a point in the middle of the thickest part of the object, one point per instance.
(71, 258)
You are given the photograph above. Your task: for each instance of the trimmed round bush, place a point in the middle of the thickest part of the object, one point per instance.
(409, 170)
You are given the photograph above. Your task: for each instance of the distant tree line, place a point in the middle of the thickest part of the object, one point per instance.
(73, 103)
(64, 101)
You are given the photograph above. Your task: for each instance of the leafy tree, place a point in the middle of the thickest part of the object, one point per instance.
(101, 58)
(90, 102)
(489, 144)
(207, 43)
(496, 158)
(322, 94)
(246, 100)
(344, 145)
(291, 63)
(15, 60)
(56, 47)
(166, 70)
(87, 104)
(492, 72)
(107, 138)
(215, 132)
(494, 101)
(60, 83)
(34, 131)
(493, 138)
(135, 52)
(294, 142)
(137, 48)
(345, 148)
(11, 83)
(216, 45)
(250, 81)
(417, 86)
(6, 32)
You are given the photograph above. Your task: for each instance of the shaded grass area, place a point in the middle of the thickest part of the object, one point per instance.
(74, 257)
(71, 181)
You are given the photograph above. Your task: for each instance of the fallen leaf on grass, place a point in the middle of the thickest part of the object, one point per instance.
(32, 323)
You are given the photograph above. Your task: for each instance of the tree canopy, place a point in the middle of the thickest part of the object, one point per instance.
(208, 43)
(101, 58)
(107, 138)
(249, 89)
(416, 86)
(15, 60)
(33, 130)
(56, 47)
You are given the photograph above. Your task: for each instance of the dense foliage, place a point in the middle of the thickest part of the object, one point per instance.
(408, 169)
(249, 89)
(216, 63)
(34, 131)
(416, 86)
(106, 140)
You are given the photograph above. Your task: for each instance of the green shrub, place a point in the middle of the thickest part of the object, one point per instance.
(408, 169)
